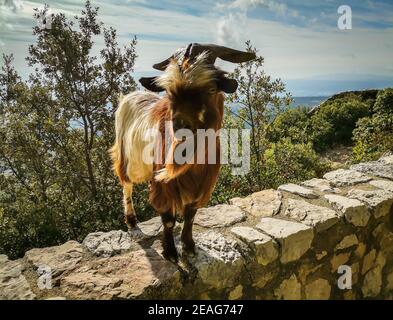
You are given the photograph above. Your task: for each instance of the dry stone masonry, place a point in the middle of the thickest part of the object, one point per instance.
(290, 243)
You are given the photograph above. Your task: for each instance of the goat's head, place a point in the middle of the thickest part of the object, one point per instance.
(193, 84)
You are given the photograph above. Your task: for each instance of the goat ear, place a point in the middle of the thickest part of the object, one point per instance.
(227, 85)
(149, 84)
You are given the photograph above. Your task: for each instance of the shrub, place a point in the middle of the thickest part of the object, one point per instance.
(373, 136)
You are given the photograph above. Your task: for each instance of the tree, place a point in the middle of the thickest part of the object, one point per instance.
(56, 130)
(256, 103)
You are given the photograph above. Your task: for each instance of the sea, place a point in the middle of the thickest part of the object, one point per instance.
(308, 101)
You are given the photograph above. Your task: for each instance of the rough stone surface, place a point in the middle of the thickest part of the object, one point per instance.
(265, 203)
(59, 258)
(380, 201)
(342, 177)
(383, 184)
(360, 250)
(265, 247)
(294, 238)
(354, 211)
(382, 168)
(217, 259)
(372, 282)
(246, 254)
(318, 290)
(107, 244)
(368, 261)
(236, 293)
(299, 190)
(348, 241)
(289, 289)
(219, 216)
(13, 284)
(322, 185)
(315, 216)
(339, 260)
(133, 274)
(152, 227)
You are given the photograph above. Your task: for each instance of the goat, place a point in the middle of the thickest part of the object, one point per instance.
(194, 100)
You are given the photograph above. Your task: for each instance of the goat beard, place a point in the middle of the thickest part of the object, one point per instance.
(172, 169)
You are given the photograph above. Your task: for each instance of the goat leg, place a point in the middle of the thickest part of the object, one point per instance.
(129, 212)
(186, 235)
(168, 243)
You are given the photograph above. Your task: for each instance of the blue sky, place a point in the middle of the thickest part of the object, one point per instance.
(299, 40)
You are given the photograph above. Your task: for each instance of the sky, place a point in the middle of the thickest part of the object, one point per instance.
(300, 40)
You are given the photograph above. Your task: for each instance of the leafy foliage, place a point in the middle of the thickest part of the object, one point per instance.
(56, 129)
(373, 136)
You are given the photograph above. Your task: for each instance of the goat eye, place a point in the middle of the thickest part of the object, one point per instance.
(212, 90)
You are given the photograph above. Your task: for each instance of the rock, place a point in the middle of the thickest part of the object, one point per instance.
(314, 216)
(349, 295)
(386, 159)
(222, 215)
(59, 259)
(383, 184)
(107, 244)
(339, 260)
(305, 269)
(151, 228)
(372, 282)
(56, 298)
(355, 272)
(217, 259)
(348, 241)
(355, 212)
(360, 250)
(262, 280)
(379, 201)
(266, 249)
(318, 290)
(289, 289)
(368, 261)
(320, 185)
(299, 190)
(294, 238)
(135, 274)
(321, 255)
(380, 168)
(389, 280)
(236, 293)
(342, 177)
(380, 260)
(13, 284)
(265, 203)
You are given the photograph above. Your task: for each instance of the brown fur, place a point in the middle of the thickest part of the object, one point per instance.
(194, 183)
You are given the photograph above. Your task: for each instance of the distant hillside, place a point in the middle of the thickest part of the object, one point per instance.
(364, 95)
(308, 101)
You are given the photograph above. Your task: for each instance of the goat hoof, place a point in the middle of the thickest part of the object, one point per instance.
(131, 221)
(189, 250)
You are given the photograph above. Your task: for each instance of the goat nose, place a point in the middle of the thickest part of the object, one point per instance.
(181, 124)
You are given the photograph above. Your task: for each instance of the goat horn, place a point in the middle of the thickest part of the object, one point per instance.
(215, 51)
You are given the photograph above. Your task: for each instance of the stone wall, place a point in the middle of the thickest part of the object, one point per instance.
(274, 244)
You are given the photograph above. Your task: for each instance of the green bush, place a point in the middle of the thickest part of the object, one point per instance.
(287, 162)
(373, 136)
(335, 120)
(293, 123)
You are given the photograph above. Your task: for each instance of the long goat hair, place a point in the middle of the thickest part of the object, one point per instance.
(193, 100)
